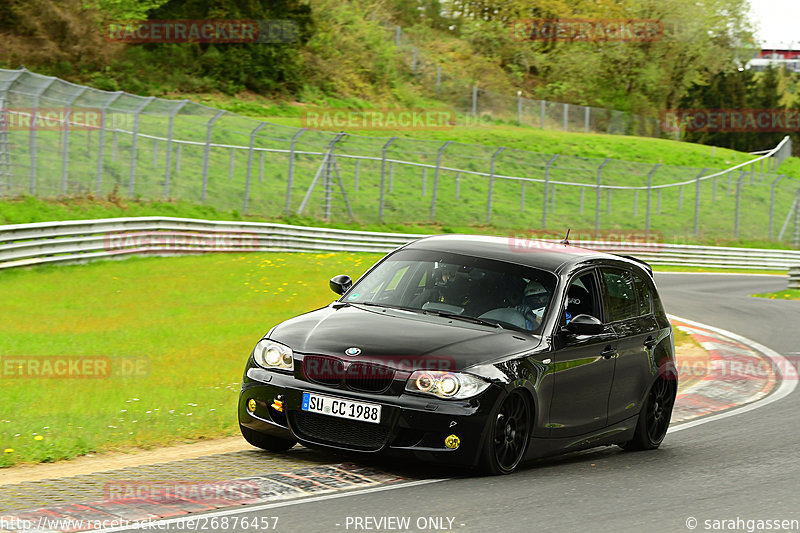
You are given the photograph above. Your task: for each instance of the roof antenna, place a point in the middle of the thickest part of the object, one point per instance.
(566, 238)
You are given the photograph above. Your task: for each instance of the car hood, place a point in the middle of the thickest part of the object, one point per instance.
(400, 339)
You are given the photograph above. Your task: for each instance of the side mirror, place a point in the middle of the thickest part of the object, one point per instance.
(340, 284)
(584, 325)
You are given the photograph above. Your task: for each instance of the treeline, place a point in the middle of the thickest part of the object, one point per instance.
(344, 50)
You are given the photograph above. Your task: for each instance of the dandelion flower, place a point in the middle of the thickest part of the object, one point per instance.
(8, 450)
(38, 437)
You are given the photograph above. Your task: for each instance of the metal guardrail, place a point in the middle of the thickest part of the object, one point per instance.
(84, 240)
(794, 277)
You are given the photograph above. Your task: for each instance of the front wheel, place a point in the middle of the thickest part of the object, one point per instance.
(508, 436)
(266, 442)
(654, 417)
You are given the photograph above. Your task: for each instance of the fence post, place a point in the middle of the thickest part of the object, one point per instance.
(424, 181)
(397, 32)
(5, 149)
(383, 177)
(328, 163)
(587, 113)
(65, 155)
(519, 107)
(438, 79)
(580, 209)
(250, 165)
(101, 136)
(170, 132)
(134, 141)
(358, 165)
(608, 202)
(34, 134)
(491, 184)
(566, 115)
(541, 113)
(522, 197)
(680, 197)
(797, 219)
(207, 153)
(414, 60)
(738, 202)
(230, 163)
(553, 198)
(474, 100)
(635, 202)
(597, 197)
(772, 203)
(436, 177)
(697, 202)
(290, 177)
(546, 189)
(658, 204)
(649, 198)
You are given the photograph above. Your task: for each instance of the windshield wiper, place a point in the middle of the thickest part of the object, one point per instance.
(473, 319)
(388, 306)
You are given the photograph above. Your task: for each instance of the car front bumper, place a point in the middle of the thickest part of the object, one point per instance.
(410, 424)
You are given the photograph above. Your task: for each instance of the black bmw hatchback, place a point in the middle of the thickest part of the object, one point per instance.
(474, 351)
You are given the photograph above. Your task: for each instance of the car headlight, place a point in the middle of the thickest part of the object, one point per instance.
(446, 384)
(273, 355)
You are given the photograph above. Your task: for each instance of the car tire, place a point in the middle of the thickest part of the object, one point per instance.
(508, 436)
(651, 428)
(266, 442)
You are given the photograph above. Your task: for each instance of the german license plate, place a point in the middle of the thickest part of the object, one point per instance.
(352, 410)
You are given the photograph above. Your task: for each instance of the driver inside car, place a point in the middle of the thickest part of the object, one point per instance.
(534, 302)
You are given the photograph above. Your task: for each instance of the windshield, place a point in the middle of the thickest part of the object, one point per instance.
(504, 294)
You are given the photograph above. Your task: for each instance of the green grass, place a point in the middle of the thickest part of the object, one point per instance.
(788, 294)
(191, 321)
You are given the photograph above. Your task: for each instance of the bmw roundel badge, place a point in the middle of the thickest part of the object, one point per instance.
(353, 351)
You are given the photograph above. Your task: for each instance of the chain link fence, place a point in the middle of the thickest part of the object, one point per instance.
(59, 139)
(472, 100)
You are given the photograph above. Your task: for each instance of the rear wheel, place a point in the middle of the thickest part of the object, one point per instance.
(654, 417)
(508, 436)
(266, 442)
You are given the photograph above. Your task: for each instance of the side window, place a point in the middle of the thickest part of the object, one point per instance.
(620, 295)
(581, 298)
(643, 292)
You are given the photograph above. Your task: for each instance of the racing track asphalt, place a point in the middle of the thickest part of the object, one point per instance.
(743, 466)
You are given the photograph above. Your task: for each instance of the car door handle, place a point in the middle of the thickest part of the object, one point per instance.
(608, 352)
(649, 342)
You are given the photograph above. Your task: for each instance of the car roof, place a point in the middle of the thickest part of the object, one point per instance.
(545, 255)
